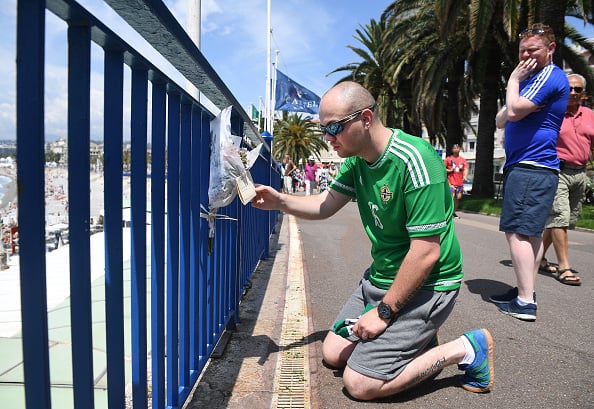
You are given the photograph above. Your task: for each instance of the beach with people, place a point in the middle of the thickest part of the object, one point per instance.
(57, 256)
(8, 191)
(56, 195)
(56, 206)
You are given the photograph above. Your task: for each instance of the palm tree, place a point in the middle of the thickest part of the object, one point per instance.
(582, 10)
(576, 61)
(433, 67)
(493, 27)
(370, 72)
(436, 57)
(297, 136)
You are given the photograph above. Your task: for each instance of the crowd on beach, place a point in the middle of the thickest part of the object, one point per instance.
(56, 199)
(56, 204)
(8, 215)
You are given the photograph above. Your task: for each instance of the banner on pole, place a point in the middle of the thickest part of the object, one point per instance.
(255, 113)
(293, 97)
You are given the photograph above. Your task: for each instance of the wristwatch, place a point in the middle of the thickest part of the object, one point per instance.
(384, 311)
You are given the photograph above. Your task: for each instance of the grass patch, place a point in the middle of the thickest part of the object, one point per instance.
(492, 206)
(486, 206)
(586, 220)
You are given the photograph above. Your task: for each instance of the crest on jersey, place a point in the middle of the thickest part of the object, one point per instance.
(386, 194)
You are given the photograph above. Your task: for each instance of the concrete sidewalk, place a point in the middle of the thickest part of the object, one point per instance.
(251, 369)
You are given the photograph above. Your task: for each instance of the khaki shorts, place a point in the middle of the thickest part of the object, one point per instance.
(567, 205)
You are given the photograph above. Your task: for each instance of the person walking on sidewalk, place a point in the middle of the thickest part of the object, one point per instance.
(289, 169)
(332, 171)
(385, 336)
(310, 170)
(536, 98)
(575, 144)
(457, 169)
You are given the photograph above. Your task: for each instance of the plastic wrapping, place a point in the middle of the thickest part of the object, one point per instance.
(229, 170)
(225, 161)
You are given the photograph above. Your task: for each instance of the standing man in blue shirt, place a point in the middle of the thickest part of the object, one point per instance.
(536, 98)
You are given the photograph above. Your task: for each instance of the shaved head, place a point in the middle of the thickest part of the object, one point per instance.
(346, 97)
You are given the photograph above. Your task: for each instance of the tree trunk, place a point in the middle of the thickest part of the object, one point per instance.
(454, 124)
(391, 120)
(483, 172)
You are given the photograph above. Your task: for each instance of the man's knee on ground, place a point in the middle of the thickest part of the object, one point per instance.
(361, 387)
(336, 350)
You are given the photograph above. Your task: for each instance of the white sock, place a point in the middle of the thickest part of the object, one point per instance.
(523, 303)
(470, 354)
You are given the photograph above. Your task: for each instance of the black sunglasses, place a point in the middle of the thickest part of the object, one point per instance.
(336, 127)
(576, 89)
(532, 31)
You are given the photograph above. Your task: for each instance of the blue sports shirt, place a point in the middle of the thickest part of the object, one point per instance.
(533, 139)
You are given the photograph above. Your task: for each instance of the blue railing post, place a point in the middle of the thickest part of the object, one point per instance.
(184, 239)
(112, 226)
(173, 135)
(79, 103)
(203, 274)
(272, 165)
(138, 132)
(218, 257)
(158, 243)
(195, 245)
(30, 128)
(234, 276)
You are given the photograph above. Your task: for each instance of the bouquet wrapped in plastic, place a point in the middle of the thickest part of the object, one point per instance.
(229, 168)
(225, 162)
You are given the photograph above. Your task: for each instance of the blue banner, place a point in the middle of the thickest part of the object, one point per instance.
(291, 96)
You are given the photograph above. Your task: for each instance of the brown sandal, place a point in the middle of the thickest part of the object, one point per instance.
(547, 267)
(569, 279)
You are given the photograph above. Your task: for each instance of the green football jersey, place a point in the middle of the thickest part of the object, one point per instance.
(403, 195)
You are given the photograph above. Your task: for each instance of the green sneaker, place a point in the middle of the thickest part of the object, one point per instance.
(480, 374)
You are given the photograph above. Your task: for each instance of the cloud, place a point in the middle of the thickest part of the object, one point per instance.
(56, 102)
(8, 71)
(7, 121)
(234, 40)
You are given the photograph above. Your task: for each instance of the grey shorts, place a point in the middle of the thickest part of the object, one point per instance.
(405, 338)
(567, 205)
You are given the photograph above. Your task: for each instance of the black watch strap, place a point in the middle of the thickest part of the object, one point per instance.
(385, 311)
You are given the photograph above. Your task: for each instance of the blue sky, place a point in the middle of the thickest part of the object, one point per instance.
(310, 35)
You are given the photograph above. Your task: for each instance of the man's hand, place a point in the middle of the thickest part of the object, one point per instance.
(524, 69)
(266, 198)
(370, 325)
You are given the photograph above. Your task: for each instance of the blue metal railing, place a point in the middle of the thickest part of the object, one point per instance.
(190, 295)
